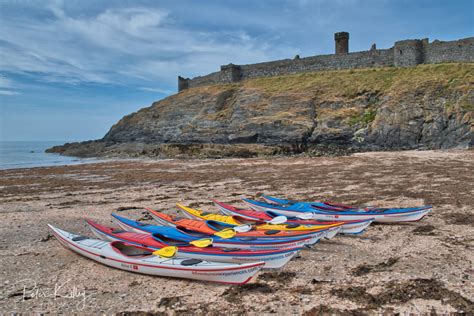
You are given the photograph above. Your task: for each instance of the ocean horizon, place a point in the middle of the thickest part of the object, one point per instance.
(30, 154)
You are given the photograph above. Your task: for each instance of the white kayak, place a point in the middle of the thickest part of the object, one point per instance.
(313, 211)
(273, 258)
(137, 259)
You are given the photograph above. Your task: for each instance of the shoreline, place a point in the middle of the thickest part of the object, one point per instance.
(72, 163)
(390, 268)
(144, 159)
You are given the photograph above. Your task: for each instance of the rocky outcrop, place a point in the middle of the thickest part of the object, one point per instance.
(425, 107)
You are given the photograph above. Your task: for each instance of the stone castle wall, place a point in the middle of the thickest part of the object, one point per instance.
(405, 53)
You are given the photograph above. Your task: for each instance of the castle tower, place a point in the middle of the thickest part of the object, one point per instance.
(409, 53)
(183, 83)
(342, 42)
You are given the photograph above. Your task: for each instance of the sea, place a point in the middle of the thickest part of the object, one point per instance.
(29, 154)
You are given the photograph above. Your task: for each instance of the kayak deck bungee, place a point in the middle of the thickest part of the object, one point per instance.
(258, 224)
(211, 227)
(236, 242)
(379, 215)
(273, 259)
(348, 227)
(144, 260)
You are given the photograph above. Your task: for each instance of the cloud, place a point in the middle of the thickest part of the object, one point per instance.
(6, 85)
(8, 92)
(5, 82)
(120, 45)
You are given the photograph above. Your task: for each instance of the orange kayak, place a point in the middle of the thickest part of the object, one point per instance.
(221, 229)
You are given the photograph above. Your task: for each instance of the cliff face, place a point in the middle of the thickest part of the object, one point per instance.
(424, 107)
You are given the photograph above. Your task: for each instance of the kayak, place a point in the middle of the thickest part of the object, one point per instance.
(189, 236)
(325, 205)
(144, 260)
(382, 215)
(273, 259)
(210, 227)
(238, 220)
(348, 227)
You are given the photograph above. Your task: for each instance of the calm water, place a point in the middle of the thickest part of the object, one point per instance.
(31, 154)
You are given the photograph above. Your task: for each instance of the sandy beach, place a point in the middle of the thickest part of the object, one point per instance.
(414, 267)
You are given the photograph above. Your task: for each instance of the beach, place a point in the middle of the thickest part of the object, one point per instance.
(415, 267)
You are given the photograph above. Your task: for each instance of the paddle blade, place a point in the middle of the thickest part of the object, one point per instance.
(307, 215)
(278, 220)
(201, 243)
(242, 228)
(226, 233)
(166, 252)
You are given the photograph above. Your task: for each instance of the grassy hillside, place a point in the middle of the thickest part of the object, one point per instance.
(423, 107)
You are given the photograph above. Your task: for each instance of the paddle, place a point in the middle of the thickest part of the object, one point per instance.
(226, 233)
(166, 252)
(201, 243)
(278, 220)
(307, 215)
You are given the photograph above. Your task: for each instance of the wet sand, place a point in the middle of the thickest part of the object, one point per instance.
(415, 267)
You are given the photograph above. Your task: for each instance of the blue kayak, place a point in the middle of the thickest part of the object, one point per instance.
(163, 232)
(321, 211)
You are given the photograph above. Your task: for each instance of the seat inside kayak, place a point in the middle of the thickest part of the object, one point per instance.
(118, 231)
(292, 225)
(130, 251)
(218, 225)
(273, 214)
(79, 238)
(142, 224)
(243, 220)
(168, 241)
(191, 232)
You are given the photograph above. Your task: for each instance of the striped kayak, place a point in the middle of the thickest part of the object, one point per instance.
(238, 220)
(273, 258)
(144, 260)
(210, 227)
(348, 227)
(189, 236)
(382, 215)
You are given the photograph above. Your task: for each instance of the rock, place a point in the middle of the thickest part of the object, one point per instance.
(333, 113)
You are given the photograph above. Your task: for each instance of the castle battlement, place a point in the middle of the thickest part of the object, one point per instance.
(404, 53)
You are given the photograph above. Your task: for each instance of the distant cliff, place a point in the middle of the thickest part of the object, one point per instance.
(422, 107)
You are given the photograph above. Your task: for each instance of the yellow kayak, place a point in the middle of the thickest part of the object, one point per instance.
(238, 221)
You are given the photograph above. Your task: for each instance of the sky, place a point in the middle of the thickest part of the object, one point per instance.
(70, 69)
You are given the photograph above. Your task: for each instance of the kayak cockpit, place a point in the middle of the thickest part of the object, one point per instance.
(168, 241)
(79, 238)
(129, 250)
(218, 225)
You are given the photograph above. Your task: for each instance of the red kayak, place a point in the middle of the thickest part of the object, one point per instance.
(275, 258)
(348, 227)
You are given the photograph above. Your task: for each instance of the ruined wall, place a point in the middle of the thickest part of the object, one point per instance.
(405, 53)
(454, 51)
(376, 58)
